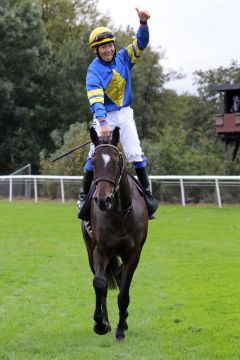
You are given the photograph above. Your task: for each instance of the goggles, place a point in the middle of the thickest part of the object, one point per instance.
(104, 35)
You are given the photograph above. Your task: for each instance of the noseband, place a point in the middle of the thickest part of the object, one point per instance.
(115, 182)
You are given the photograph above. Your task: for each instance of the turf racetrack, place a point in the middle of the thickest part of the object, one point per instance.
(184, 296)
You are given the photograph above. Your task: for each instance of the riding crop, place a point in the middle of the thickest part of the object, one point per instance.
(71, 151)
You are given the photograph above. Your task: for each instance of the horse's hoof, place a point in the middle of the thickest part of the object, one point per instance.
(102, 329)
(120, 335)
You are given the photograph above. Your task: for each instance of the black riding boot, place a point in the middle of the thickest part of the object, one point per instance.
(151, 202)
(86, 184)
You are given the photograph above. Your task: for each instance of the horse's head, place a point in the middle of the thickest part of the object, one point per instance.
(107, 168)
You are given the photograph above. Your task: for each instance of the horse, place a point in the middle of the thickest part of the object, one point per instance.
(118, 231)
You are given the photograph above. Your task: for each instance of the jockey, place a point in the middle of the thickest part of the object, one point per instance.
(108, 84)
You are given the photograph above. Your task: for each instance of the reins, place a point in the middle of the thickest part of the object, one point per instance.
(124, 211)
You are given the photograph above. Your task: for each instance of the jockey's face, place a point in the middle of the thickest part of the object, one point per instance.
(106, 52)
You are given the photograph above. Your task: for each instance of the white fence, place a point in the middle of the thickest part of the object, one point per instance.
(183, 189)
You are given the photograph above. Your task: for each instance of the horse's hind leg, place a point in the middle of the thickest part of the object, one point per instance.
(123, 297)
(102, 325)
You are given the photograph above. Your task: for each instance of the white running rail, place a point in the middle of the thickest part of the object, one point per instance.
(181, 180)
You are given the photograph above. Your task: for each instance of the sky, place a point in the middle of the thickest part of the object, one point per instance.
(194, 35)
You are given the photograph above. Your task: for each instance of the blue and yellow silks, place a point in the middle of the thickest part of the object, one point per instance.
(109, 83)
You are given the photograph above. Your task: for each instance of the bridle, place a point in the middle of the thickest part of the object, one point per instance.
(115, 182)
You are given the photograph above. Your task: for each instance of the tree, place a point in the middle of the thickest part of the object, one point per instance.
(27, 72)
(67, 19)
(148, 79)
(72, 164)
(68, 24)
(221, 75)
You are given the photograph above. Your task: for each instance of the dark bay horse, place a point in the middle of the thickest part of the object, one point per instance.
(119, 223)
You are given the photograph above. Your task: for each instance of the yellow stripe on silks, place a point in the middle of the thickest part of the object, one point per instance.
(115, 89)
(95, 95)
(95, 99)
(95, 92)
(131, 53)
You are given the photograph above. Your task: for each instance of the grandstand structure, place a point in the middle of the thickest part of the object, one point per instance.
(227, 123)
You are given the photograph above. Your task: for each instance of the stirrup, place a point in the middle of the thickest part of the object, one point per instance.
(84, 204)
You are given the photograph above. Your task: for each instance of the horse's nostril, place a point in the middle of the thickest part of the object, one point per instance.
(108, 200)
(103, 202)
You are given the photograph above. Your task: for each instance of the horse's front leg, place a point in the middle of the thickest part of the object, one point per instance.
(100, 263)
(123, 297)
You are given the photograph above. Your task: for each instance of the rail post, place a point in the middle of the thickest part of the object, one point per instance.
(35, 190)
(10, 189)
(182, 192)
(62, 190)
(218, 193)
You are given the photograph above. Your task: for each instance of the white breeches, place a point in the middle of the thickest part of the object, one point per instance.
(123, 118)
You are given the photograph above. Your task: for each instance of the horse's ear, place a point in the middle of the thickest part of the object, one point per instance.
(115, 136)
(94, 136)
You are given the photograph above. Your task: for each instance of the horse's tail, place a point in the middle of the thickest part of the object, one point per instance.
(114, 273)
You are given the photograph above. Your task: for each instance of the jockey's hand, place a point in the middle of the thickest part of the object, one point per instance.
(105, 130)
(143, 14)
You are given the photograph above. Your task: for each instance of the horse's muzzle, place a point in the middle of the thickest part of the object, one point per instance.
(104, 203)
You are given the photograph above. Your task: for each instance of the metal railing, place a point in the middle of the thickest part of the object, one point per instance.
(184, 189)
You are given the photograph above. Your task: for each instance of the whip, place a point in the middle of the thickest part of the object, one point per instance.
(71, 151)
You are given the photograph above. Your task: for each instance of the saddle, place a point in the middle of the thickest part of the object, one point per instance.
(151, 203)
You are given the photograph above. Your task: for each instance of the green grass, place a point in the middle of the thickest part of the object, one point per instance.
(184, 296)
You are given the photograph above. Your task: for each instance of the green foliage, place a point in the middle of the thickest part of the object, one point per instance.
(221, 75)
(176, 154)
(27, 73)
(72, 164)
(148, 79)
(70, 102)
(41, 89)
(65, 20)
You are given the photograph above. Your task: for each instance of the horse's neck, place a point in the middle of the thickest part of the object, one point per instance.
(125, 196)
